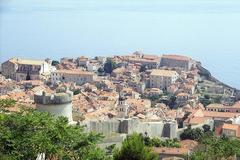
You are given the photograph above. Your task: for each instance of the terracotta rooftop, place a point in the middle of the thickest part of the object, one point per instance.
(165, 73)
(148, 56)
(33, 82)
(143, 60)
(26, 61)
(189, 144)
(227, 126)
(230, 126)
(196, 120)
(182, 94)
(171, 151)
(236, 105)
(177, 57)
(73, 72)
(219, 114)
(83, 58)
(215, 105)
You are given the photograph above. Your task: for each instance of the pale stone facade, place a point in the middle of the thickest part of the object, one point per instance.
(167, 129)
(162, 78)
(122, 108)
(82, 61)
(24, 69)
(177, 61)
(77, 76)
(9, 69)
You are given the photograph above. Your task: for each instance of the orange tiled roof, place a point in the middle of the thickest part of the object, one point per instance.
(230, 126)
(162, 72)
(143, 60)
(26, 61)
(236, 105)
(220, 114)
(215, 105)
(196, 120)
(171, 151)
(75, 71)
(227, 126)
(189, 144)
(177, 57)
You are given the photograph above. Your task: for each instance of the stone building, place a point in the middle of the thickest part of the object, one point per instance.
(82, 61)
(231, 130)
(58, 104)
(167, 129)
(162, 78)
(24, 69)
(222, 108)
(122, 108)
(77, 76)
(150, 61)
(177, 61)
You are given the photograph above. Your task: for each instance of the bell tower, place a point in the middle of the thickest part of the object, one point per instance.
(122, 108)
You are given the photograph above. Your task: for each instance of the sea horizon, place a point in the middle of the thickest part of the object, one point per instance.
(204, 30)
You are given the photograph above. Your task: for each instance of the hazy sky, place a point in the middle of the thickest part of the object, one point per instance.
(207, 30)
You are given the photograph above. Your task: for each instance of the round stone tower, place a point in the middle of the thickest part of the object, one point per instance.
(58, 104)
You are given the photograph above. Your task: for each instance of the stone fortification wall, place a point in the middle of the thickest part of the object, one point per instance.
(181, 130)
(105, 127)
(58, 104)
(175, 63)
(130, 125)
(153, 129)
(56, 98)
(170, 129)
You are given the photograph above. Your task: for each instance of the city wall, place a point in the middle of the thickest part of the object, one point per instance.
(166, 129)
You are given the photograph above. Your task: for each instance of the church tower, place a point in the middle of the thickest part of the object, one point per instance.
(122, 108)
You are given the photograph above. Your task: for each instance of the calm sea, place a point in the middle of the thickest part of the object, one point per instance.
(207, 30)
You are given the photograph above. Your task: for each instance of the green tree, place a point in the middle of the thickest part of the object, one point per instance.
(143, 68)
(28, 77)
(205, 100)
(193, 134)
(100, 70)
(109, 66)
(213, 148)
(110, 149)
(28, 133)
(55, 63)
(76, 92)
(157, 142)
(154, 97)
(206, 128)
(6, 103)
(133, 148)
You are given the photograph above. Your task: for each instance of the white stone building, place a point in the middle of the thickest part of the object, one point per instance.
(77, 76)
(25, 69)
(82, 61)
(177, 61)
(162, 78)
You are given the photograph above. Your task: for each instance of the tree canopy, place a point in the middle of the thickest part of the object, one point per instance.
(133, 148)
(193, 134)
(109, 66)
(29, 133)
(6, 103)
(55, 63)
(213, 148)
(143, 68)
